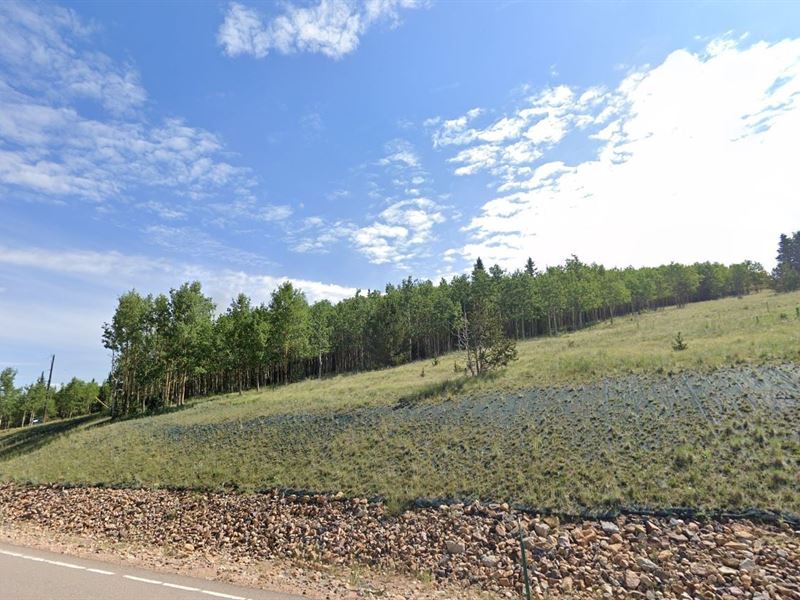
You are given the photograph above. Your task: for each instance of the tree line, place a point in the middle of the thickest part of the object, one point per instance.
(34, 403)
(169, 347)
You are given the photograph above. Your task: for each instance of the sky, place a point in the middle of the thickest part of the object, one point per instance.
(343, 145)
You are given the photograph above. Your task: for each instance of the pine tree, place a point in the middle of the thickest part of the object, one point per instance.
(530, 268)
(786, 275)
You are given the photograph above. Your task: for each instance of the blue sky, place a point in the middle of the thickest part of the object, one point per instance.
(347, 144)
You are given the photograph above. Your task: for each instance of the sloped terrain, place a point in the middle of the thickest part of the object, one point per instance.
(606, 417)
(721, 440)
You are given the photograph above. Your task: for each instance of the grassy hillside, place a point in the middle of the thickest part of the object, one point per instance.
(606, 415)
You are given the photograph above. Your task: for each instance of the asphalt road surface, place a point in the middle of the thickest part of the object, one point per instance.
(27, 574)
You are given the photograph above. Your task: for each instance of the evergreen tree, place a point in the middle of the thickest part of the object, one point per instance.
(530, 268)
(786, 275)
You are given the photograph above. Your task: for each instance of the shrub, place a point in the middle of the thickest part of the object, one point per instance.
(678, 343)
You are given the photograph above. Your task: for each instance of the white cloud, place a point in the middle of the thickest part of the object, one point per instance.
(122, 271)
(402, 152)
(551, 129)
(400, 233)
(331, 27)
(49, 148)
(81, 262)
(35, 49)
(165, 211)
(696, 161)
(249, 209)
(453, 131)
(317, 235)
(190, 241)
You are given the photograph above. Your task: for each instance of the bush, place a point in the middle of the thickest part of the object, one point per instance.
(678, 343)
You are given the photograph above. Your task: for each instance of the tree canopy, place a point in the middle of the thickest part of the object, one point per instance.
(169, 347)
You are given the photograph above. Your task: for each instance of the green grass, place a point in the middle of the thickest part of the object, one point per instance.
(606, 416)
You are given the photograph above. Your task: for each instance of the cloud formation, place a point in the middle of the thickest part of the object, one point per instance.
(49, 148)
(331, 27)
(692, 159)
(400, 232)
(123, 271)
(36, 49)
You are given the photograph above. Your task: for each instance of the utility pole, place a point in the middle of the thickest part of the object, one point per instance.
(47, 392)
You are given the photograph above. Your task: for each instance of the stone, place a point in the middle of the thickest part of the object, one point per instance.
(529, 542)
(455, 547)
(608, 527)
(490, 561)
(631, 580)
(747, 565)
(541, 529)
(646, 564)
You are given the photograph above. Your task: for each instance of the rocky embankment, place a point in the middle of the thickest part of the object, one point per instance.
(475, 544)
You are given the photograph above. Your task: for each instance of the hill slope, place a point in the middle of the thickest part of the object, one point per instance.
(604, 416)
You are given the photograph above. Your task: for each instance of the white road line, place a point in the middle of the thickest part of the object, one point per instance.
(131, 577)
(142, 579)
(181, 587)
(63, 564)
(220, 595)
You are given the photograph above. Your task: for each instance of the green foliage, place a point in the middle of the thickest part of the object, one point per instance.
(77, 398)
(9, 397)
(683, 281)
(170, 347)
(786, 275)
(678, 344)
(480, 332)
(640, 440)
(289, 327)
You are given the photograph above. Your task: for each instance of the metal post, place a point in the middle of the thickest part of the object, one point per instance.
(524, 562)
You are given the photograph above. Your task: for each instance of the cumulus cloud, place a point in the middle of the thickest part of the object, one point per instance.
(331, 27)
(400, 152)
(506, 146)
(400, 232)
(694, 159)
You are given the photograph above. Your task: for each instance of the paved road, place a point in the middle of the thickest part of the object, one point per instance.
(27, 574)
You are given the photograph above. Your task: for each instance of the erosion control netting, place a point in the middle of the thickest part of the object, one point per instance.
(723, 443)
(728, 438)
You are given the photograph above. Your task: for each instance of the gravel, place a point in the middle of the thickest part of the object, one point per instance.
(472, 545)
